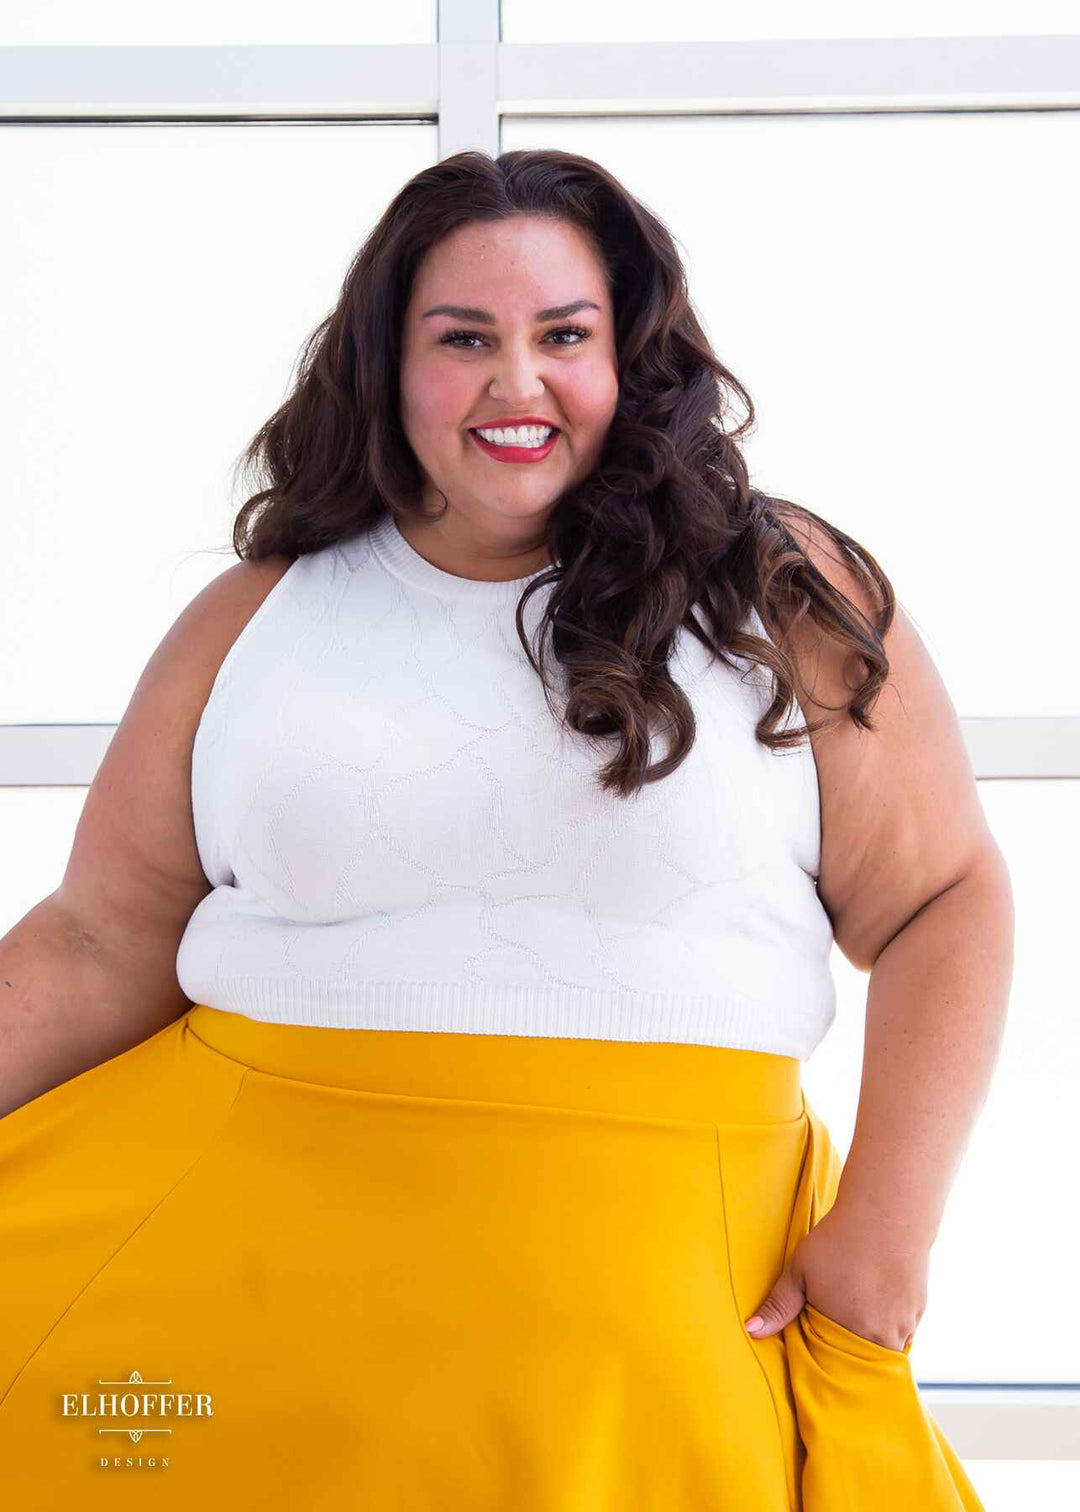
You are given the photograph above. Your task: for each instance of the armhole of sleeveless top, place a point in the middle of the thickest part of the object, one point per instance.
(231, 652)
(794, 715)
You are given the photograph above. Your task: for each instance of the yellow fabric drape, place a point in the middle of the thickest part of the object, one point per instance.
(430, 1271)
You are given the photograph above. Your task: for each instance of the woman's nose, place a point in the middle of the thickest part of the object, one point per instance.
(518, 376)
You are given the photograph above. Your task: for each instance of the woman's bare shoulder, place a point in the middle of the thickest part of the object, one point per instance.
(134, 875)
(901, 818)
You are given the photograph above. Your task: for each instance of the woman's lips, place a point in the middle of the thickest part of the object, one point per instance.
(516, 453)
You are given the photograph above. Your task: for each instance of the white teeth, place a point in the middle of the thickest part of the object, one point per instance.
(522, 435)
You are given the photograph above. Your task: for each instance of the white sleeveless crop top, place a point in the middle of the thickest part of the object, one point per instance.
(400, 836)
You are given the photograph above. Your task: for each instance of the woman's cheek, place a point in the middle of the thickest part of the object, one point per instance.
(592, 400)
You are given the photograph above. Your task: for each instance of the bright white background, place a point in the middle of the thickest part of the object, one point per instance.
(722, 20)
(897, 291)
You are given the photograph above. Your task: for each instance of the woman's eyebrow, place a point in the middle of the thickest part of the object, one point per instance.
(485, 317)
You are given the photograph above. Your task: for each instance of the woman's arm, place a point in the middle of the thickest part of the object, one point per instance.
(919, 896)
(935, 1018)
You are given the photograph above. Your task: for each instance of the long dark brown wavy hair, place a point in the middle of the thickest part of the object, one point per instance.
(665, 532)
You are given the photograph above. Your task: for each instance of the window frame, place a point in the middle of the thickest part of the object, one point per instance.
(467, 83)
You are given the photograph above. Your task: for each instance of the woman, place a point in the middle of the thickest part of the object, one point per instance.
(475, 1136)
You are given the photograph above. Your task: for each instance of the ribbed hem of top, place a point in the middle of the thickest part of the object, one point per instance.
(404, 562)
(559, 1012)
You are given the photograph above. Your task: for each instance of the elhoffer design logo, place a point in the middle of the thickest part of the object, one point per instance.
(111, 1408)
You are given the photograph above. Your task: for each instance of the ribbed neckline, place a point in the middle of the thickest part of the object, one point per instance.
(398, 557)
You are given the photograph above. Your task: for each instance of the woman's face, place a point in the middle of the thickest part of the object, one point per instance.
(512, 359)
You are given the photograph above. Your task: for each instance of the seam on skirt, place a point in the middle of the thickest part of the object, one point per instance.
(781, 1450)
(703, 1122)
(210, 1144)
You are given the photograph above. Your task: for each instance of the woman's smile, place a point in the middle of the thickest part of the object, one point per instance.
(517, 453)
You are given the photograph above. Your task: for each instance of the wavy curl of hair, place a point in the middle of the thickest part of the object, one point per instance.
(666, 532)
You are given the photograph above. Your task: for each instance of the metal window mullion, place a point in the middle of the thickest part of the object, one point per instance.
(1003, 1422)
(919, 73)
(1003, 747)
(411, 80)
(297, 82)
(468, 72)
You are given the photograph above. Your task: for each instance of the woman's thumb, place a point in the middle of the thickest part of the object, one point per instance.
(783, 1303)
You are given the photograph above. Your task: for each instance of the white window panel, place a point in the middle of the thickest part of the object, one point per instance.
(775, 20)
(160, 281)
(987, 1276)
(1019, 1485)
(130, 23)
(37, 828)
(898, 293)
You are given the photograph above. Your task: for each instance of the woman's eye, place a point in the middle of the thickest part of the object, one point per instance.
(578, 331)
(452, 337)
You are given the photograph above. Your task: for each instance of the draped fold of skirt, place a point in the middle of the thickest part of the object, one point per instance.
(271, 1266)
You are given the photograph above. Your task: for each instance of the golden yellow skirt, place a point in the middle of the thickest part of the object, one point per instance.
(250, 1265)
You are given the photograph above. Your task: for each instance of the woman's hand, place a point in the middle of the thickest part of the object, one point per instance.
(855, 1272)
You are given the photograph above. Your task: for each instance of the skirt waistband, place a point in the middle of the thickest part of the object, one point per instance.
(713, 1083)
